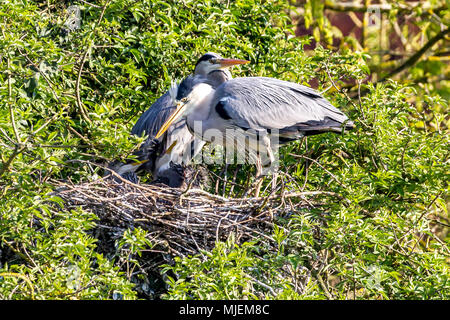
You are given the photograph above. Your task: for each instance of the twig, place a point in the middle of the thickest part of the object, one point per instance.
(77, 89)
(323, 286)
(410, 61)
(90, 4)
(272, 291)
(415, 57)
(55, 95)
(20, 276)
(316, 162)
(383, 7)
(11, 111)
(17, 150)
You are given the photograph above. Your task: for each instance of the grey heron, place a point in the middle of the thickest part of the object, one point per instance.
(266, 112)
(210, 68)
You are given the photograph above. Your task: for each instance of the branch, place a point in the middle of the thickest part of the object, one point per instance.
(11, 111)
(322, 284)
(17, 150)
(55, 95)
(90, 4)
(77, 89)
(408, 63)
(316, 162)
(415, 57)
(383, 8)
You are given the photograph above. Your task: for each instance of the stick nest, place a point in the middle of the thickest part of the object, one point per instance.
(178, 221)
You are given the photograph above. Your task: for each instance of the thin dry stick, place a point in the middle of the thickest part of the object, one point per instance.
(77, 89)
(234, 180)
(90, 4)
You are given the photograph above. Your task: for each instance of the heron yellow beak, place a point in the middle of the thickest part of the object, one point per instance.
(226, 63)
(138, 163)
(169, 149)
(174, 116)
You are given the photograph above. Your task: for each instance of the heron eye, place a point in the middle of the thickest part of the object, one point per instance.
(212, 61)
(183, 99)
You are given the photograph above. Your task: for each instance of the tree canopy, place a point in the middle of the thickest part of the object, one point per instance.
(76, 75)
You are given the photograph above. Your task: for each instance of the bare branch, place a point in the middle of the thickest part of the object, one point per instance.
(383, 7)
(415, 57)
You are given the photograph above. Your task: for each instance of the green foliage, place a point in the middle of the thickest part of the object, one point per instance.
(69, 100)
(197, 277)
(55, 254)
(375, 235)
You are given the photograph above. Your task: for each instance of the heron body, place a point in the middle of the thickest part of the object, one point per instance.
(262, 112)
(211, 68)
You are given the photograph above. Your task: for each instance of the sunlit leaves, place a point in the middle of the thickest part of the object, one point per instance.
(375, 233)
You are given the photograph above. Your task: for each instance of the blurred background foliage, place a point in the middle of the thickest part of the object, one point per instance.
(71, 89)
(407, 41)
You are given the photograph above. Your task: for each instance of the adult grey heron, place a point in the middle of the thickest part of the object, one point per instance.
(256, 114)
(181, 145)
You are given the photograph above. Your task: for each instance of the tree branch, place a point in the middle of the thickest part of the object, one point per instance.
(408, 63)
(415, 57)
(77, 88)
(383, 8)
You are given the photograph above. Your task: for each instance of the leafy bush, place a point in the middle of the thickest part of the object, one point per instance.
(375, 234)
(69, 99)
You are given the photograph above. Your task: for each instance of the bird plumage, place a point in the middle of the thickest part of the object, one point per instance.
(255, 114)
(262, 103)
(210, 69)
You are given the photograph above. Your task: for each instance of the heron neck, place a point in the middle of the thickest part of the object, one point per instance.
(200, 114)
(217, 77)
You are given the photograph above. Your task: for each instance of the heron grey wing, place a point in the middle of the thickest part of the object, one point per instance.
(154, 117)
(267, 103)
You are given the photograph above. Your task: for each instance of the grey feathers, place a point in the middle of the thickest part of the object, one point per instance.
(267, 103)
(152, 119)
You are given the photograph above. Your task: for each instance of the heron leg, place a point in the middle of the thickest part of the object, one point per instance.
(264, 164)
(259, 176)
(274, 180)
(274, 170)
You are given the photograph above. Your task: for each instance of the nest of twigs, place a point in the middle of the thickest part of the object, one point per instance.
(179, 221)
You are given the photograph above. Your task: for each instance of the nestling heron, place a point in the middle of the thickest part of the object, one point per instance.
(265, 112)
(210, 68)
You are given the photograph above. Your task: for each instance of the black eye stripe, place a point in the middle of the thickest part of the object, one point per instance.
(207, 56)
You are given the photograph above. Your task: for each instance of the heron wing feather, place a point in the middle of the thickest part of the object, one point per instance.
(268, 103)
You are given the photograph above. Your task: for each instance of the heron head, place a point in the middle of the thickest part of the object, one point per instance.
(211, 61)
(186, 105)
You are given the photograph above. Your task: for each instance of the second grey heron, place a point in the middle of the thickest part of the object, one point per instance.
(210, 68)
(263, 111)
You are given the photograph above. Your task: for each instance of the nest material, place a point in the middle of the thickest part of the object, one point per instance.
(178, 221)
